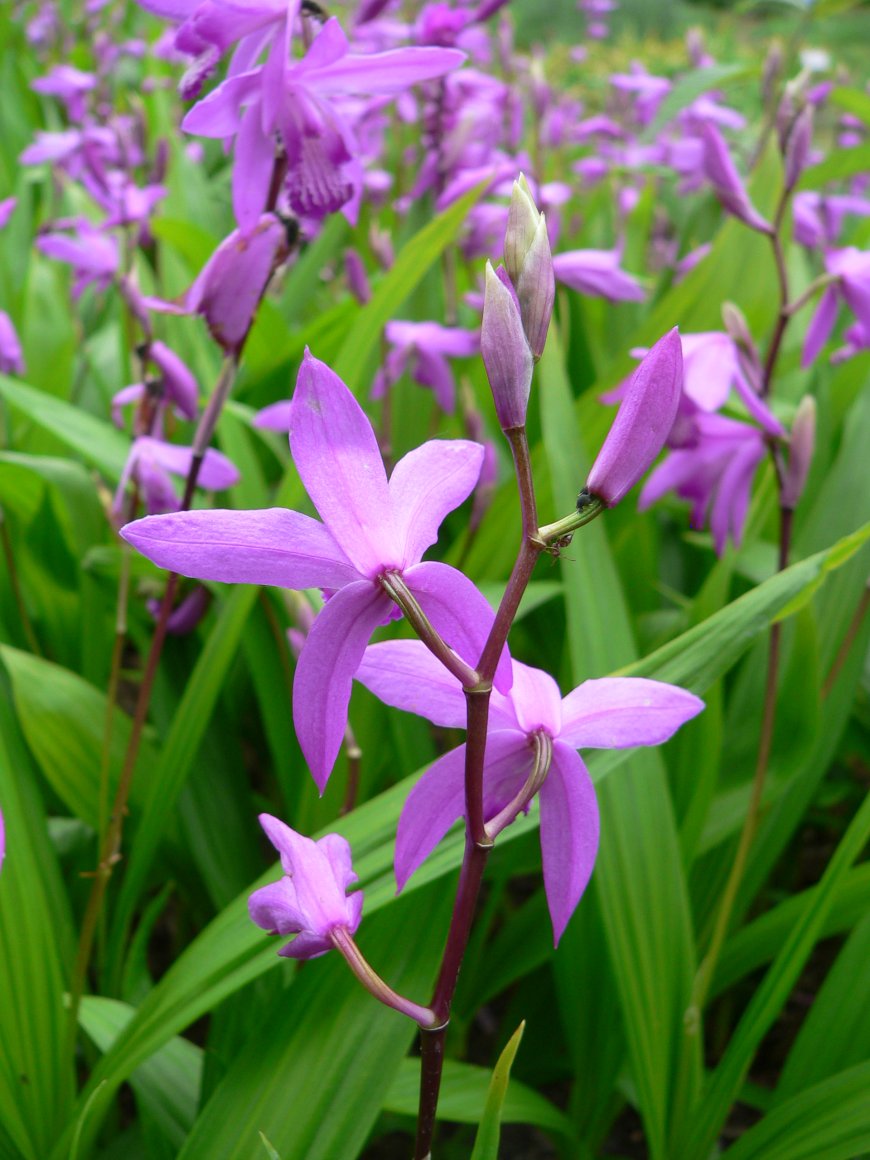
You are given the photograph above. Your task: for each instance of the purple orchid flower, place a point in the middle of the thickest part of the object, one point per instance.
(230, 285)
(175, 381)
(311, 900)
(423, 348)
(597, 274)
(371, 529)
(152, 463)
(69, 85)
(818, 218)
(851, 269)
(297, 103)
(726, 181)
(93, 255)
(713, 465)
(611, 713)
(11, 356)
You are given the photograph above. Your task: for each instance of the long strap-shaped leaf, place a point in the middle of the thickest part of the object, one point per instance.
(723, 1087)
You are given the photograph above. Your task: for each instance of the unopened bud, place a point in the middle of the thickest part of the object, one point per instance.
(797, 146)
(800, 453)
(506, 353)
(738, 331)
(642, 424)
(771, 73)
(529, 264)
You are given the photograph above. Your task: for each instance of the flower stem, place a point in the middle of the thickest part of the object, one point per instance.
(753, 815)
(343, 941)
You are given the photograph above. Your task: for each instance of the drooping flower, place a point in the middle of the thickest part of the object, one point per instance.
(611, 713)
(311, 900)
(372, 529)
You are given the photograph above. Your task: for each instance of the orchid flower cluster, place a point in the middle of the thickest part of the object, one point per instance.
(365, 554)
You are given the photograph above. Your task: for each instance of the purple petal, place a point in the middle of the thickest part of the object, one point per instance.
(732, 494)
(386, 72)
(643, 422)
(433, 805)
(820, 326)
(536, 700)
(620, 712)
(275, 546)
(406, 675)
(180, 381)
(307, 946)
(252, 169)
(276, 908)
(459, 613)
(597, 272)
(433, 371)
(569, 834)
(425, 485)
(337, 456)
(325, 670)
(275, 417)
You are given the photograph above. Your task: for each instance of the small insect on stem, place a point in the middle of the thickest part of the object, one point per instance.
(555, 549)
(584, 499)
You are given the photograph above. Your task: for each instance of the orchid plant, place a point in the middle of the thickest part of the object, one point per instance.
(345, 541)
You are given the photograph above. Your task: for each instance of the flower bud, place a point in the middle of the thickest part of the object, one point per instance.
(722, 174)
(506, 353)
(800, 454)
(797, 146)
(642, 424)
(530, 265)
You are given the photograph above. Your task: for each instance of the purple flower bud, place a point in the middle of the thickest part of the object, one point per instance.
(530, 265)
(797, 146)
(642, 424)
(800, 453)
(505, 350)
(722, 174)
(311, 901)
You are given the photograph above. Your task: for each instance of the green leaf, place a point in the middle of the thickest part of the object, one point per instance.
(464, 1090)
(723, 1086)
(842, 163)
(168, 775)
(835, 1034)
(230, 953)
(691, 86)
(854, 101)
(313, 1076)
(166, 1085)
(64, 720)
(36, 948)
(489, 1132)
(830, 1120)
(94, 439)
(415, 259)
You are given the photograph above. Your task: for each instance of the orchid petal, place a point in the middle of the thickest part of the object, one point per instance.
(433, 805)
(458, 612)
(820, 327)
(569, 834)
(252, 170)
(386, 73)
(337, 456)
(425, 485)
(275, 417)
(536, 700)
(275, 546)
(406, 675)
(325, 669)
(620, 712)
